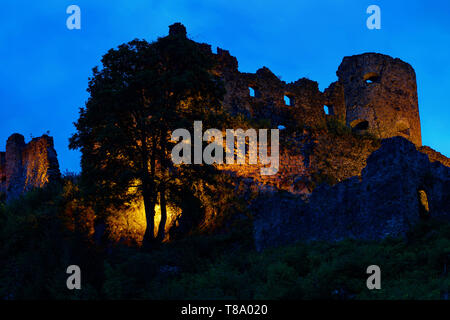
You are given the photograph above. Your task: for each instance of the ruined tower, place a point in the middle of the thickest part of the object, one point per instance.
(27, 166)
(14, 171)
(381, 96)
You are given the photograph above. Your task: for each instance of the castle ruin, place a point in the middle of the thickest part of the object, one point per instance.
(374, 94)
(381, 96)
(375, 97)
(27, 166)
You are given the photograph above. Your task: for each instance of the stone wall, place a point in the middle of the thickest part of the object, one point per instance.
(27, 166)
(381, 96)
(398, 187)
(309, 158)
(262, 95)
(292, 169)
(433, 155)
(374, 94)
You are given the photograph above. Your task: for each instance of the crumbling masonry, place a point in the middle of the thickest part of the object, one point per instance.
(375, 94)
(27, 166)
(374, 98)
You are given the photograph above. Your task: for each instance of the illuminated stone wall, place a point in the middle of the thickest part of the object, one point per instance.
(374, 94)
(27, 166)
(371, 87)
(381, 91)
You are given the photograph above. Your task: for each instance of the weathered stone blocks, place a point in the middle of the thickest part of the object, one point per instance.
(27, 166)
(381, 96)
(387, 200)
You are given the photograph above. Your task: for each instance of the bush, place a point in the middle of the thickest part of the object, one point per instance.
(40, 239)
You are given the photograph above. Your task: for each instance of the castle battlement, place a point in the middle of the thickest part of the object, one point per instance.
(375, 93)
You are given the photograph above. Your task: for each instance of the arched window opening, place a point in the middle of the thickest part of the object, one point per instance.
(254, 92)
(371, 77)
(424, 209)
(328, 110)
(360, 125)
(289, 101)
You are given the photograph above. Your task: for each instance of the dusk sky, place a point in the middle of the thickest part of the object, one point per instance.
(45, 67)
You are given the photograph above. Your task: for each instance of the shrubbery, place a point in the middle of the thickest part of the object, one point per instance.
(39, 240)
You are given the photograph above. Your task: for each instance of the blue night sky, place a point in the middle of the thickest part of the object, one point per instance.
(45, 67)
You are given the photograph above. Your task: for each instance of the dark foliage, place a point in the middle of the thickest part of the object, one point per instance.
(45, 231)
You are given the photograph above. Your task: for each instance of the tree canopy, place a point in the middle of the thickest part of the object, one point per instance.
(142, 93)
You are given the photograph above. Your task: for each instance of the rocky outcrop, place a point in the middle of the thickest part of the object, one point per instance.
(398, 187)
(27, 166)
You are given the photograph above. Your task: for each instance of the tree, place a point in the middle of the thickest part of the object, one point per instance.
(143, 92)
